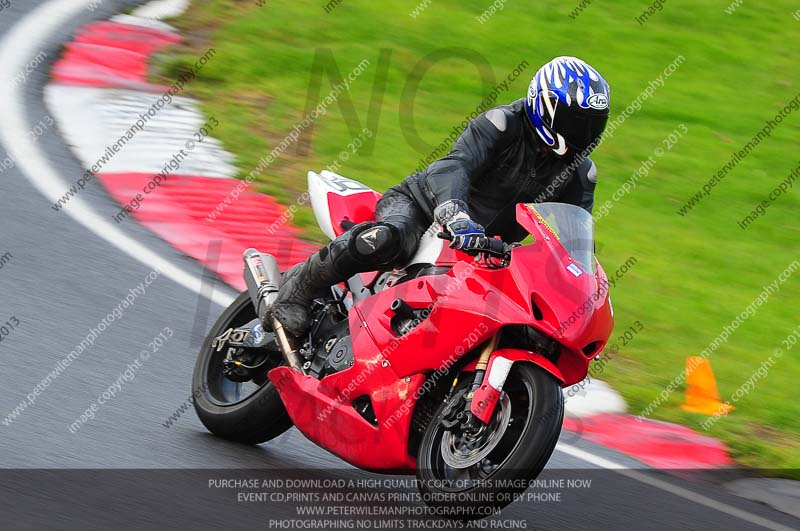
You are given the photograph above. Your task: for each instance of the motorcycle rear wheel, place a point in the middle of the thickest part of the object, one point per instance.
(528, 434)
(256, 418)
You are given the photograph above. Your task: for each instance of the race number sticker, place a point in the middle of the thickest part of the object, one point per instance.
(343, 185)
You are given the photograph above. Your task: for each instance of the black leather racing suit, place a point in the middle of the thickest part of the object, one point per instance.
(497, 162)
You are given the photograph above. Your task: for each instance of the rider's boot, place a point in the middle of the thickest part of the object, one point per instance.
(365, 247)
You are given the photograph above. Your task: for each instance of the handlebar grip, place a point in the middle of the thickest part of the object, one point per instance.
(486, 244)
(495, 247)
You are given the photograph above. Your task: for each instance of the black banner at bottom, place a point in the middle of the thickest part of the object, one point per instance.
(333, 499)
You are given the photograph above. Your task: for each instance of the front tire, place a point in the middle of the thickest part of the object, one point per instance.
(256, 418)
(528, 420)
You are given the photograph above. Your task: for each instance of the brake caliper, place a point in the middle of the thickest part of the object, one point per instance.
(453, 411)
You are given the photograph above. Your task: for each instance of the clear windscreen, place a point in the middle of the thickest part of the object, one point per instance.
(574, 228)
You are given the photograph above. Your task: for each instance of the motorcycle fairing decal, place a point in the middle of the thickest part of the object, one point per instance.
(543, 221)
(574, 269)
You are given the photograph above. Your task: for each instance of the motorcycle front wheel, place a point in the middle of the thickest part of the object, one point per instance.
(469, 476)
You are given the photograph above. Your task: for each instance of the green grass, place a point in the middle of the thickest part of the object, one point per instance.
(694, 273)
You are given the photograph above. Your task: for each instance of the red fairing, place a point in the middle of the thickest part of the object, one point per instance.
(357, 208)
(541, 288)
(323, 410)
(328, 418)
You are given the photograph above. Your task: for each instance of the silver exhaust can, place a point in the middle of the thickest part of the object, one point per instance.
(263, 278)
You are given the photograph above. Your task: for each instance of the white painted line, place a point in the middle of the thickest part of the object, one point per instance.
(670, 488)
(23, 42)
(159, 9)
(144, 22)
(93, 119)
(583, 455)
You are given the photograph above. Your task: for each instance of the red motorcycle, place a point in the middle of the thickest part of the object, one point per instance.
(451, 367)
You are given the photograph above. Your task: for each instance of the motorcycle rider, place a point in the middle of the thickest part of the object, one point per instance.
(532, 150)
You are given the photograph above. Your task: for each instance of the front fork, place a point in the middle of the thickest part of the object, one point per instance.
(480, 376)
(475, 412)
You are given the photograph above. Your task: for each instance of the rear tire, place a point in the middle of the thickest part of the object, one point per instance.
(521, 453)
(257, 418)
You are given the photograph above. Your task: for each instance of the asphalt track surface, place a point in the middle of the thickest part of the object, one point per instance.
(124, 468)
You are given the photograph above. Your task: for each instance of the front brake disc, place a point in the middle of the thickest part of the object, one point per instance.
(462, 451)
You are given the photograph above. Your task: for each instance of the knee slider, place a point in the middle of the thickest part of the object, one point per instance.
(375, 243)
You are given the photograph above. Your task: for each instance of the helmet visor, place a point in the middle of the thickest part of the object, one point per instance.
(582, 129)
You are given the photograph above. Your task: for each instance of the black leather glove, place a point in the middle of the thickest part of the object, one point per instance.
(453, 216)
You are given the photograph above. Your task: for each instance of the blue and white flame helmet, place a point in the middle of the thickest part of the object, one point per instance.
(567, 104)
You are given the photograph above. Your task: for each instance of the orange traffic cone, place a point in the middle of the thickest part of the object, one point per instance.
(702, 395)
